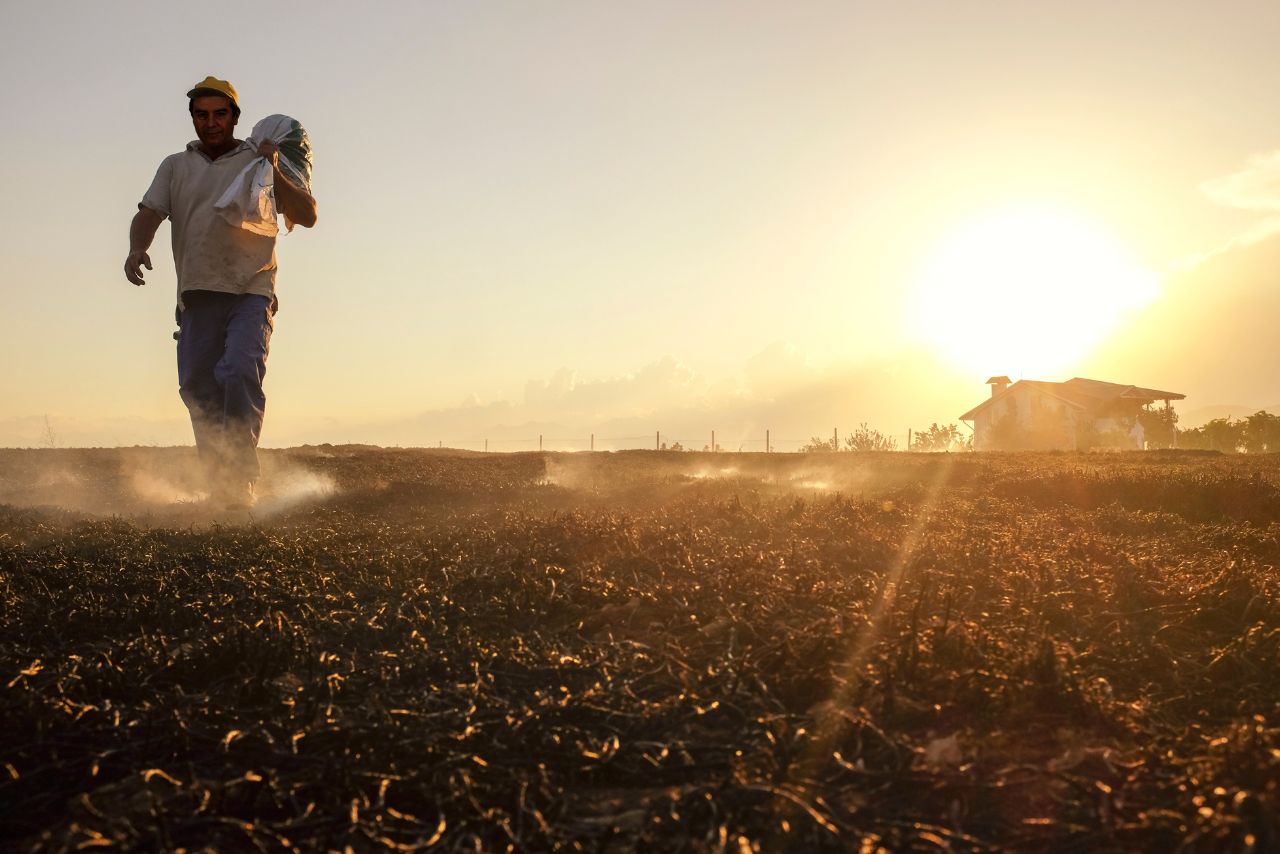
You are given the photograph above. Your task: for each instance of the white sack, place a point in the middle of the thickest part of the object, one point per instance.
(250, 201)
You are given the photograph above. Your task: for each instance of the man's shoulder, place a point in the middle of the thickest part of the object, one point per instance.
(192, 158)
(193, 153)
(177, 157)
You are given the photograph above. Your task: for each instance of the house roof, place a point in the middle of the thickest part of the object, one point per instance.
(1080, 393)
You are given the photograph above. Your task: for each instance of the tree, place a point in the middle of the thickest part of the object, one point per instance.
(867, 439)
(1220, 434)
(1224, 434)
(1261, 433)
(1159, 425)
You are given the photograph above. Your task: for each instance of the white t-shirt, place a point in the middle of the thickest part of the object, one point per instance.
(208, 253)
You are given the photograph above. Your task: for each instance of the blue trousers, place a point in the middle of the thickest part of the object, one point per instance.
(223, 341)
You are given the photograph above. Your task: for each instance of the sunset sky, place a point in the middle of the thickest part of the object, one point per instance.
(578, 217)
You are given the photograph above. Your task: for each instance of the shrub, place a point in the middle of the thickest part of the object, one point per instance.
(868, 439)
(819, 446)
(938, 438)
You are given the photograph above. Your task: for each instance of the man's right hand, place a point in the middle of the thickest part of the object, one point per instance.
(133, 266)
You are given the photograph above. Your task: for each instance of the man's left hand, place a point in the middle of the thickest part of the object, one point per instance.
(294, 202)
(271, 151)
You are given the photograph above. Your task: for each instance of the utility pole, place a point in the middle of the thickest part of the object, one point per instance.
(486, 446)
(713, 441)
(766, 441)
(835, 438)
(593, 441)
(539, 443)
(657, 440)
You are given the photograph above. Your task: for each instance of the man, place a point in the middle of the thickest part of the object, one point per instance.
(226, 286)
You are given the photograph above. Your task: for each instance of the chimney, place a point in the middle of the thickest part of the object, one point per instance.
(998, 384)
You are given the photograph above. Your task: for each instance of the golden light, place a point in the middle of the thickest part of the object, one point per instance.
(1026, 292)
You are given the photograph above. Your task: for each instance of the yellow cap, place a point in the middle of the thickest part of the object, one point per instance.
(213, 86)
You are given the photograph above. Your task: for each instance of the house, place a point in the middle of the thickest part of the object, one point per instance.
(1072, 415)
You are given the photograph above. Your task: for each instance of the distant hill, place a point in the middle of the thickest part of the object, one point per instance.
(1199, 417)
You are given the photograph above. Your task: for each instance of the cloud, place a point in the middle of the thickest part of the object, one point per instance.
(1256, 233)
(1255, 188)
(775, 368)
(564, 395)
(778, 389)
(68, 431)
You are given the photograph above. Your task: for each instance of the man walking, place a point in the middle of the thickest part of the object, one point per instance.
(226, 285)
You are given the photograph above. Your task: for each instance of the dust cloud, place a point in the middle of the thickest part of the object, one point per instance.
(164, 487)
(151, 488)
(291, 486)
(156, 485)
(642, 474)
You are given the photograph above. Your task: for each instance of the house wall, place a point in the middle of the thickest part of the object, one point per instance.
(1046, 414)
(1030, 406)
(982, 430)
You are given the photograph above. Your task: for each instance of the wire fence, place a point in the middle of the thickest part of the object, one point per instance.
(659, 441)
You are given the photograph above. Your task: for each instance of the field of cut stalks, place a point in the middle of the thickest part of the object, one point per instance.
(642, 651)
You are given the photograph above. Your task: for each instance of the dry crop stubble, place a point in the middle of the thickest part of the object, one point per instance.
(532, 652)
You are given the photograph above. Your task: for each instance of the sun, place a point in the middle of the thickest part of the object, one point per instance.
(1026, 292)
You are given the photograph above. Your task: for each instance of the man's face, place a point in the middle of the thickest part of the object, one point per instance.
(211, 114)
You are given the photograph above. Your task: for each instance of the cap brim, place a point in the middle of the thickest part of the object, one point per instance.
(197, 92)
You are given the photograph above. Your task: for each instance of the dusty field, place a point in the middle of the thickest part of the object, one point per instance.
(402, 649)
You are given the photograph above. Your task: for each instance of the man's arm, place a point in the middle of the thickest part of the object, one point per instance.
(141, 232)
(295, 203)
